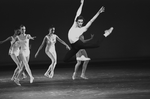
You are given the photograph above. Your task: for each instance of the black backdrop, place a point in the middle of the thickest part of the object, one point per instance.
(130, 19)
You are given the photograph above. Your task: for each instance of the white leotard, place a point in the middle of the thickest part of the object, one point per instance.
(50, 47)
(24, 44)
(51, 43)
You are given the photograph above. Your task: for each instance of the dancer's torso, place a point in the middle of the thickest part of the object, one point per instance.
(75, 33)
(14, 49)
(24, 44)
(51, 40)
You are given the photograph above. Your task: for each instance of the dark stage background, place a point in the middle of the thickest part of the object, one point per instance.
(130, 39)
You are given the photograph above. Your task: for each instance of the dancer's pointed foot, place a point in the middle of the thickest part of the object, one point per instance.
(108, 32)
(31, 79)
(51, 74)
(83, 76)
(13, 78)
(17, 82)
(46, 74)
(24, 76)
(74, 76)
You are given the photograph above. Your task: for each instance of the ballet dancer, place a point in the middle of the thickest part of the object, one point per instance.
(24, 54)
(50, 40)
(77, 30)
(14, 54)
(82, 56)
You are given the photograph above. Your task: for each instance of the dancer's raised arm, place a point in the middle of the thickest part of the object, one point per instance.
(44, 41)
(61, 41)
(79, 10)
(95, 16)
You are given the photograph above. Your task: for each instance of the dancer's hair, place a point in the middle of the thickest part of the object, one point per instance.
(51, 27)
(80, 17)
(21, 26)
(16, 32)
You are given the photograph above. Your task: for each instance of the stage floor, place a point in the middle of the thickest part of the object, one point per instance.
(103, 83)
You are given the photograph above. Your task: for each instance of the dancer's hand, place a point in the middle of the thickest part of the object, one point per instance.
(35, 55)
(102, 9)
(82, 1)
(33, 37)
(92, 35)
(68, 47)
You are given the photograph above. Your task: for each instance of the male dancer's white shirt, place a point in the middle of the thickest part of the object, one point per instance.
(74, 33)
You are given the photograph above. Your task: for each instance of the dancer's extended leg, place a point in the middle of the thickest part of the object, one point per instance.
(84, 69)
(75, 47)
(76, 69)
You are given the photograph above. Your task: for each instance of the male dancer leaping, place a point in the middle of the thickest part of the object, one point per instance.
(77, 30)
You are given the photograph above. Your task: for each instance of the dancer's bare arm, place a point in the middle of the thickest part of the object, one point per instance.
(78, 11)
(61, 41)
(95, 16)
(44, 41)
(9, 38)
(83, 40)
(30, 37)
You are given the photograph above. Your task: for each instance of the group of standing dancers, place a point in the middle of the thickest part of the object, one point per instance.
(20, 49)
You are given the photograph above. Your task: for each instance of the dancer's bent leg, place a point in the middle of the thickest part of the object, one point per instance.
(54, 64)
(24, 60)
(51, 65)
(15, 59)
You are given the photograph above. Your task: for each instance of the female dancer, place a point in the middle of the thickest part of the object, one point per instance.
(23, 40)
(82, 56)
(14, 53)
(50, 40)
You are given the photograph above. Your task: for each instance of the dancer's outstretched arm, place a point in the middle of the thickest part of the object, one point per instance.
(95, 16)
(9, 38)
(83, 40)
(79, 10)
(44, 41)
(30, 37)
(61, 41)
